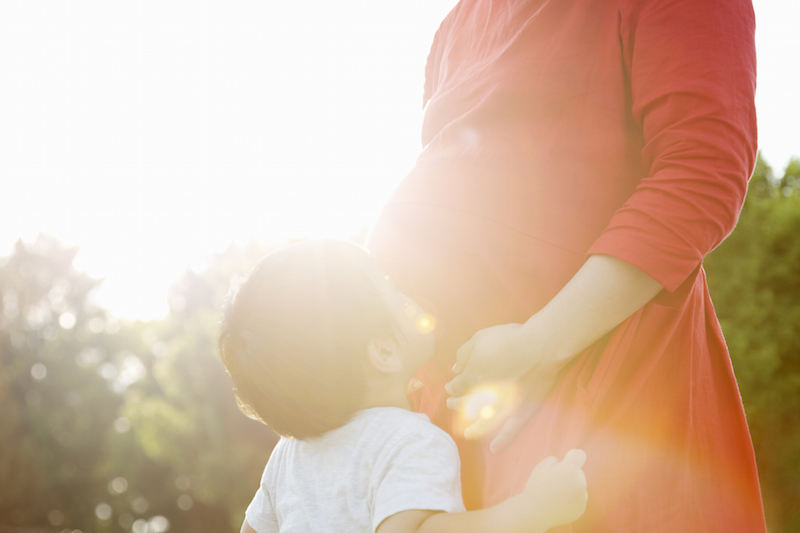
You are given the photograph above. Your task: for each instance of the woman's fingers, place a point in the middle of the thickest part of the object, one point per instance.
(535, 388)
(461, 384)
(479, 428)
(456, 403)
(462, 355)
(513, 426)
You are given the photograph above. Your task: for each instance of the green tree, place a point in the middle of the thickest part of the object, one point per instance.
(187, 419)
(57, 406)
(69, 459)
(754, 278)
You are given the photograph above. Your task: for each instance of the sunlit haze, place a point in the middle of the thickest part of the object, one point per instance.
(153, 133)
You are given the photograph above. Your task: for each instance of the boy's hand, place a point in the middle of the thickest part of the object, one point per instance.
(558, 489)
(414, 385)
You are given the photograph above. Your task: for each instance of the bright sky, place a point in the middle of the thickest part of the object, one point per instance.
(153, 133)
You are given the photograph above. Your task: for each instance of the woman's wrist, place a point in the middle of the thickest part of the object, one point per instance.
(602, 294)
(551, 350)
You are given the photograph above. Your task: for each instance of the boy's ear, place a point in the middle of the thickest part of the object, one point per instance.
(383, 355)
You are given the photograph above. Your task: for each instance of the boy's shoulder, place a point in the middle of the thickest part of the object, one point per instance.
(373, 431)
(393, 424)
(387, 459)
(391, 416)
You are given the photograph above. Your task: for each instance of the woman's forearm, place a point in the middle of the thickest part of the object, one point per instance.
(601, 295)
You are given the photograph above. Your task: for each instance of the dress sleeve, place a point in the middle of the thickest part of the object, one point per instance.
(691, 66)
(421, 472)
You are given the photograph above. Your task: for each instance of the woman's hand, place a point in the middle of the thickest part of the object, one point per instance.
(498, 353)
(504, 377)
(505, 372)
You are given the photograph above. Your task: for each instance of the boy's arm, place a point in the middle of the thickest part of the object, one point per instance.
(554, 495)
(507, 517)
(246, 528)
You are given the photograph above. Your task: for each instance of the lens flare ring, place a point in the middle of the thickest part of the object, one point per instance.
(425, 323)
(486, 406)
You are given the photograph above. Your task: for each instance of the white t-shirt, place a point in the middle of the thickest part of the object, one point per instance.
(384, 461)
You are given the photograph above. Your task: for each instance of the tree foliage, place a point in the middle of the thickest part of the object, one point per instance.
(754, 278)
(186, 418)
(57, 405)
(119, 426)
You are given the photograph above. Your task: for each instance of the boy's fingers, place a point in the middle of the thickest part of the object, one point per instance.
(547, 461)
(575, 458)
(462, 356)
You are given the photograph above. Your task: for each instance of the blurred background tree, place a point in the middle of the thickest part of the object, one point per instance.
(754, 278)
(115, 426)
(119, 426)
(54, 407)
(185, 416)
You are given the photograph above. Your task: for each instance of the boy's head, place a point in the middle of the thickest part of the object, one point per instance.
(307, 328)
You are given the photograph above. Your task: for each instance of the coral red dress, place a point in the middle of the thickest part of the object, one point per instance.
(555, 129)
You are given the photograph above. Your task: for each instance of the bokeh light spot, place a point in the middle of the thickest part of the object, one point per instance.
(118, 485)
(67, 320)
(39, 371)
(103, 511)
(158, 524)
(140, 504)
(185, 502)
(55, 517)
(130, 371)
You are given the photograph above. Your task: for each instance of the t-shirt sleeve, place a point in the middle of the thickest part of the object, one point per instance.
(421, 472)
(260, 514)
(691, 67)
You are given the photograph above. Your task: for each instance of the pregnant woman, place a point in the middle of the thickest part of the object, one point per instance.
(580, 159)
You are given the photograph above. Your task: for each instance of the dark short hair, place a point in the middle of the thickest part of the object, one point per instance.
(293, 336)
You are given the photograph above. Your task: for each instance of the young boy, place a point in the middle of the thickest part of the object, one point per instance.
(321, 347)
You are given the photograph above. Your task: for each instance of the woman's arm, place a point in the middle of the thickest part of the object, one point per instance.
(691, 67)
(603, 293)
